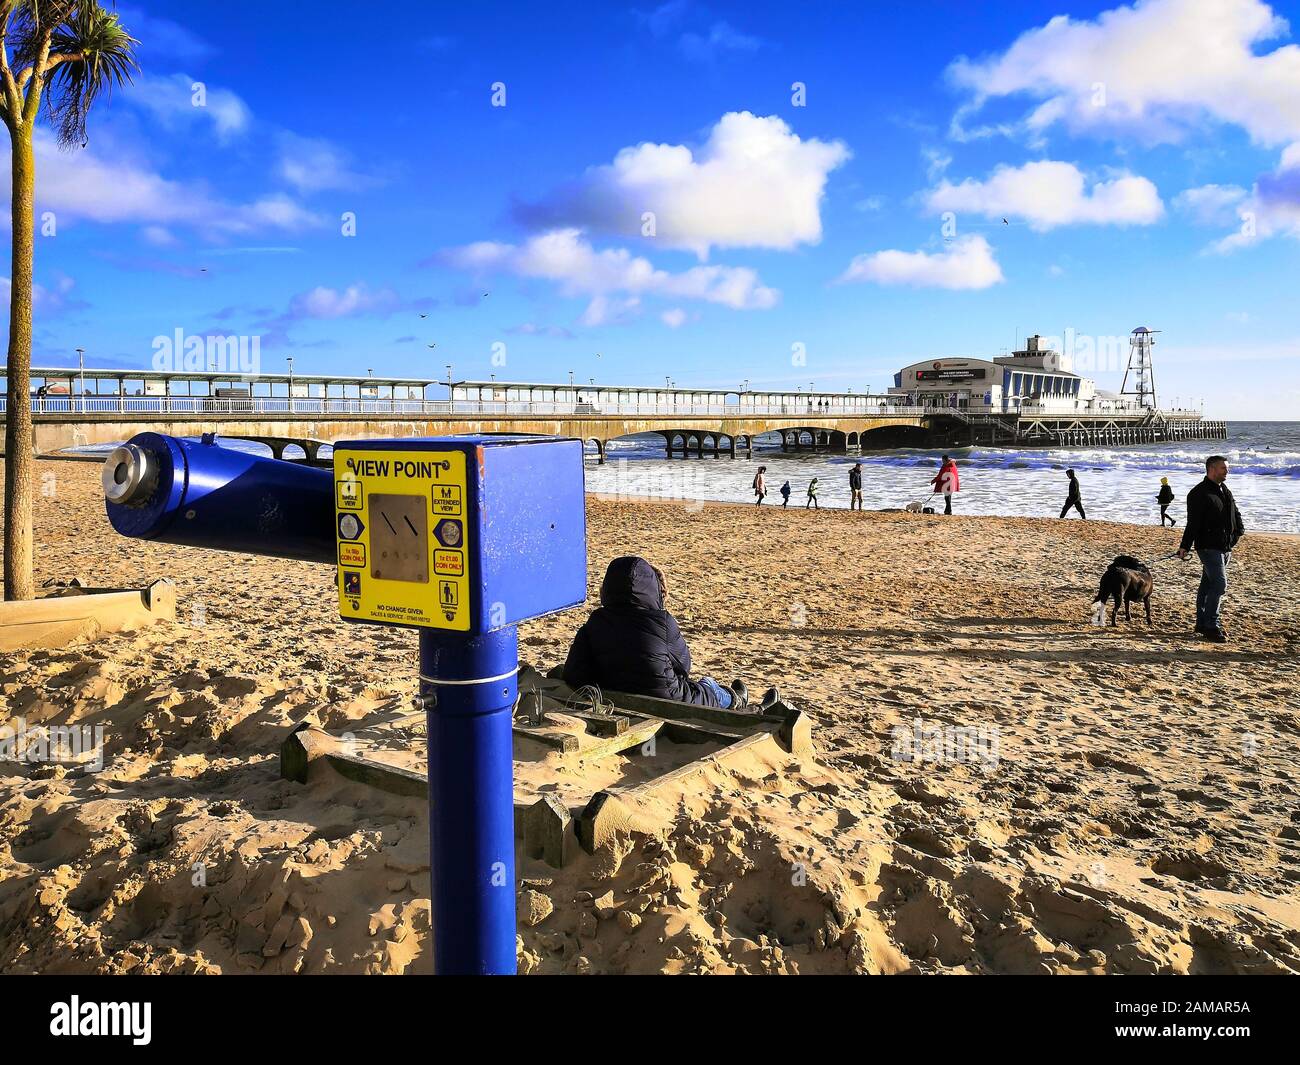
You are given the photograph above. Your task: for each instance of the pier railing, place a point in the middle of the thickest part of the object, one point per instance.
(106, 406)
(309, 405)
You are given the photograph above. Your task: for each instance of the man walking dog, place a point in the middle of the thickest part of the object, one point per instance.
(1213, 528)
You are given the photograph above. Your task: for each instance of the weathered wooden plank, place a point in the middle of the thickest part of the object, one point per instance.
(635, 736)
(389, 778)
(75, 611)
(548, 831)
(607, 813)
(691, 732)
(719, 757)
(668, 708)
(564, 742)
(601, 724)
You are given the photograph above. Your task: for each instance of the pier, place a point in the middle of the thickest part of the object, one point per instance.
(75, 408)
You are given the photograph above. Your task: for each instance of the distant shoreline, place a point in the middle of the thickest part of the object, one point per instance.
(611, 497)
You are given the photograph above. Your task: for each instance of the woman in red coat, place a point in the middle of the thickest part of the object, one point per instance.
(947, 482)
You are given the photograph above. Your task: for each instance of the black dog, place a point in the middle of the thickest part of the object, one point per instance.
(1126, 580)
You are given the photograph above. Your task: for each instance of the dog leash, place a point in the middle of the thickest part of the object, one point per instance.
(1162, 558)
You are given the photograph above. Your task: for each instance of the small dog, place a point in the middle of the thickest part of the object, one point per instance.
(1127, 580)
(913, 507)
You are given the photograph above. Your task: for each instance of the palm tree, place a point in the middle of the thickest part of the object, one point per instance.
(65, 54)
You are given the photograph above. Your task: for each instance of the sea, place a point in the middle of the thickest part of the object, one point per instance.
(1118, 483)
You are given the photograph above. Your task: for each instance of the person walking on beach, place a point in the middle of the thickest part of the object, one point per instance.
(1164, 497)
(1213, 528)
(812, 496)
(760, 486)
(946, 482)
(785, 495)
(1073, 498)
(855, 487)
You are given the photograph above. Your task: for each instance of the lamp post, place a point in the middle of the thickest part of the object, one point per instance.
(289, 360)
(81, 362)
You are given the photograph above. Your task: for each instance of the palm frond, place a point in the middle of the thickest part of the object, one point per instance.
(30, 22)
(105, 59)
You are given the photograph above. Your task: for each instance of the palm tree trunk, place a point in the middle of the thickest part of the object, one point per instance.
(20, 473)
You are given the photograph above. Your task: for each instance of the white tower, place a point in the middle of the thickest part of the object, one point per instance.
(1141, 368)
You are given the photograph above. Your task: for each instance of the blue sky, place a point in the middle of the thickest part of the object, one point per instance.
(1146, 159)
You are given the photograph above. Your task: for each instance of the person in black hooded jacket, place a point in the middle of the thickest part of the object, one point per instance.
(632, 644)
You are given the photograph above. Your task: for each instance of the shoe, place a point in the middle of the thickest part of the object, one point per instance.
(1200, 629)
(1216, 636)
(740, 694)
(770, 698)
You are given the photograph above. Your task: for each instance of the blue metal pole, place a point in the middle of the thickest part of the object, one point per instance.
(469, 687)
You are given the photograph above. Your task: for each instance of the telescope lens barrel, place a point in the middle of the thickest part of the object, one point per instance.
(130, 475)
(200, 494)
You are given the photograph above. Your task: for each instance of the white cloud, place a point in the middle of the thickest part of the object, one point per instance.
(534, 329)
(88, 184)
(158, 236)
(49, 300)
(752, 184)
(610, 310)
(168, 39)
(613, 278)
(721, 38)
(936, 162)
(174, 100)
(1271, 209)
(1159, 69)
(1048, 194)
(674, 318)
(1211, 204)
(968, 264)
(324, 302)
(312, 165)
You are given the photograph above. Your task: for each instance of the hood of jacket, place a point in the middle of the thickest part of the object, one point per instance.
(630, 581)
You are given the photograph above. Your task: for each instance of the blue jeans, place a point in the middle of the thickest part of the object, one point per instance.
(1214, 582)
(721, 695)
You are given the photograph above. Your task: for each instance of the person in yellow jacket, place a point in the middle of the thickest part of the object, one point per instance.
(1164, 498)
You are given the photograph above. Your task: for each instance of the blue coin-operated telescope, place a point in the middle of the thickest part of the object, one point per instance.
(460, 537)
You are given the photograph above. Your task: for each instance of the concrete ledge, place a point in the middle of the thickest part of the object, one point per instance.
(74, 612)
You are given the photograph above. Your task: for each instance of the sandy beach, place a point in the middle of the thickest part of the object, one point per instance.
(998, 787)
